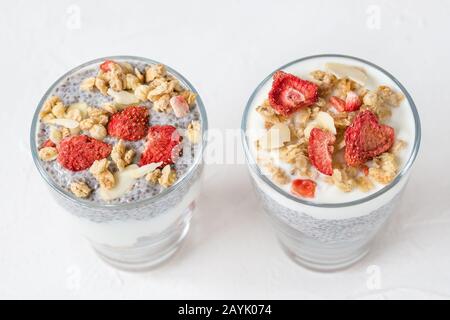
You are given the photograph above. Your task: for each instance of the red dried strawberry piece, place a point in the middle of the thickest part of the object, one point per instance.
(290, 93)
(338, 103)
(106, 66)
(79, 152)
(366, 138)
(48, 143)
(352, 102)
(130, 124)
(162, 144)
(365, 169)
(303, 188)
(320, 150)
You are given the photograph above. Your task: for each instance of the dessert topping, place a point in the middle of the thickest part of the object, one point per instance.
(161, 140)
(323, 120)
(320, 150)
(366, 138)
(48, 153)
(80, 189)
(139, 172)
(55, 135)
(337, 103)
(153, 177)
(344, 71)
(179, 105)
(290, 93)
(352, 102)
(339, 144)
(123, 183)
(100, 171)
(53, 108)
(78, 153)
(66, 123)
(385, 168)
(98, 131)
(123, 97)
(47, 143)
(121, 156)
(130, 124)
(193, 132)
(168, 177)
(106, 66)
(303, 188)
(275, 137)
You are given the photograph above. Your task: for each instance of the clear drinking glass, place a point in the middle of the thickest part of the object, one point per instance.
(327, 236)
(139, 235)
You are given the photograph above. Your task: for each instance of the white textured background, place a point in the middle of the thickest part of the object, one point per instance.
(225, 48)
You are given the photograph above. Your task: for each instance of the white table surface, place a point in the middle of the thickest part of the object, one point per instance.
(225, 48)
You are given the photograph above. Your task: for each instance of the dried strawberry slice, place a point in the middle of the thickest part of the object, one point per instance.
(352, 102)
(366, 138)
(130, 124)
(161, 143)
(47, 143)
(303, 188)
(320, 150)
(364, 169)
(79, 152)
(338, 103)
(290, 93)
(106, 66)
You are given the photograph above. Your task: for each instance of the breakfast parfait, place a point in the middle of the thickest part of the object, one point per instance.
(329, 136)
(120, 141)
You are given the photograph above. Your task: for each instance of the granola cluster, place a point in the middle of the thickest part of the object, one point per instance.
(332, 126)
(80, 189)
(122, 156)
(84, 137)
(152, 84)
(193, 132)
(100, 170)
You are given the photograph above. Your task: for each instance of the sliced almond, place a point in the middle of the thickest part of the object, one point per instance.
(123, 97)
(301, 117)
(347, 71)
(323, 120)
(326, 121)
(66, 123)
(144, 170)
(55, 135)
(276, 136)
(341, 144)
(83, 107)
(124, 183)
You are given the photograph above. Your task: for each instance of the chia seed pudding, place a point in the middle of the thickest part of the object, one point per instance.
(325, 200)
(119, 140)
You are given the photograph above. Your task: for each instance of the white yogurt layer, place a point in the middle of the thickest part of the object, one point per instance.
(127, 233)
(402, 120)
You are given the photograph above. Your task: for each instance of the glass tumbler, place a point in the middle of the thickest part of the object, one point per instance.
(327, 236)
(136, 235)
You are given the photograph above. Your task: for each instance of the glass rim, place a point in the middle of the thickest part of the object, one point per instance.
(255, 168)
(91, 204)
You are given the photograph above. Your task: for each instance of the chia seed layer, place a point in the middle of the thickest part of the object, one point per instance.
(328, 231)
(68, 90)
